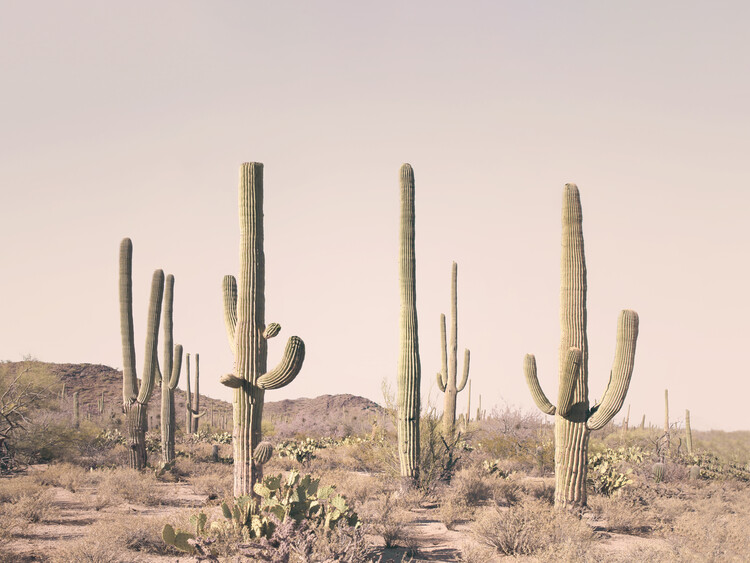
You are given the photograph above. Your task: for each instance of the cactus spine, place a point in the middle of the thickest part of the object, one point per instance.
(171, 364)
(574, 420)
(244, 315)
(688, 433)
(135, 398)
(409, 369)
(447, 377)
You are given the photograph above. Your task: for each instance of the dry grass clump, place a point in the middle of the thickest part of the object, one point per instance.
(130, 485)
(216, 486)
(89, 550)
(120, 539)
(356, 487)
(65, 475)
(528, 528)
(623, 514)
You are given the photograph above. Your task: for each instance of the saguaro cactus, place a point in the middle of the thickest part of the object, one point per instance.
(446, 378)
(135, 398)
(196, 396)
(171, 377)
(688, 433)
(76, 411)
(409, 369)
(244, 315)
(574, 420)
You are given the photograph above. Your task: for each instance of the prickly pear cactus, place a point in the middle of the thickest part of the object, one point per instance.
(574, 419)
(244, 315)
(447, 377)
(409, 369)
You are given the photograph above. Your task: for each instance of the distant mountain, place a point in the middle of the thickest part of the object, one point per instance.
(327, 415)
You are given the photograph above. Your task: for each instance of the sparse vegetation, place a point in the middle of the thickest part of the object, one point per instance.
(492, 485)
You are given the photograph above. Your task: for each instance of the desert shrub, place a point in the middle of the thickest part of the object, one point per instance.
(454, 510)
(527, 528)
(506, 492)
(65, 475)
(472, 485)
(88, 550)
(388, 519)
(543, 490)
(217, 486)
(35, 507)
(473, 553)
(515, 436)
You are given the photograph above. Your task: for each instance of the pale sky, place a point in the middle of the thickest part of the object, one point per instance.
(132, 118)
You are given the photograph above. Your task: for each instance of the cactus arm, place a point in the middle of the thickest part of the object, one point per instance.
(288, 368)
(229, 287)
(231, 381)
(529, 369)
(168, 328)
(176, 367)
(443, 354)
(271, 330)
(129, 375)
(622, 371)
(567, 383)
(152, 337)
(440, 382)
(465, 376)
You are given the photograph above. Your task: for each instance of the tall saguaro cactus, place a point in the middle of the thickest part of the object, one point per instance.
(446, 378)
(409, 369)
(171, 365)
(688, 433)
(244, 316)
(574, 420)
(196, 396)
(135, 398)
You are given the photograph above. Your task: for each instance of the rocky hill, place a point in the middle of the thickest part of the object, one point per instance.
(327, 415)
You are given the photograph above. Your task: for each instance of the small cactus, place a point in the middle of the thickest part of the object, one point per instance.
(658, 471)
(694, 473)
(688, 433)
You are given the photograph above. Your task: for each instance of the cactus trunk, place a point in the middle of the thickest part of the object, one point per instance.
(574, 420)
(135, 397)
(409, 369)
(244, 314)
(688, 433)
